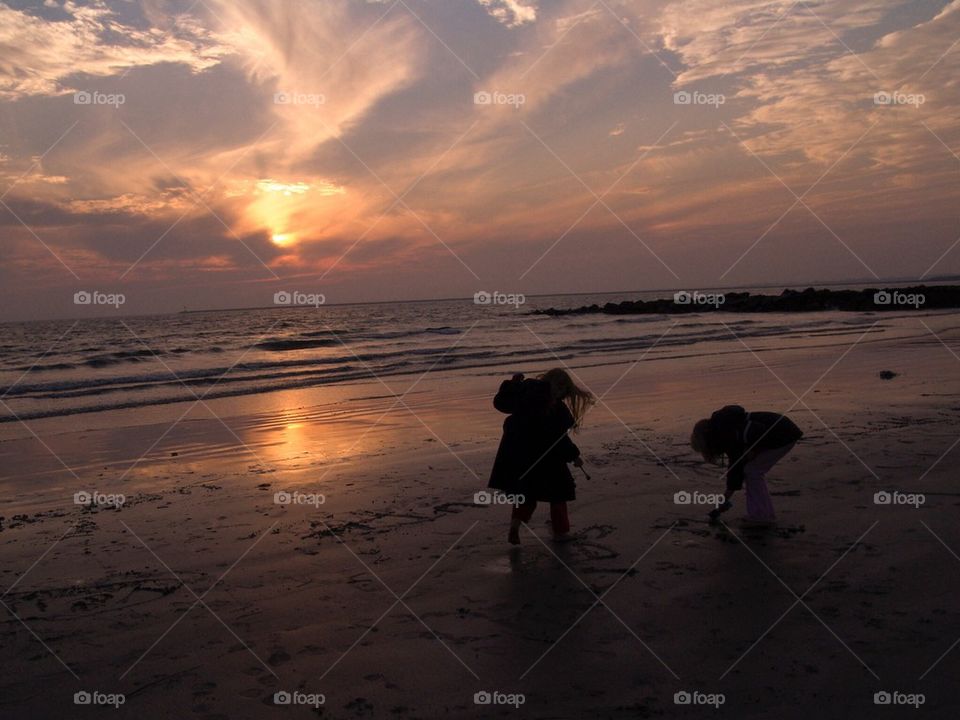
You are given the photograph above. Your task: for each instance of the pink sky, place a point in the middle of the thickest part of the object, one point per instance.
(232, 148)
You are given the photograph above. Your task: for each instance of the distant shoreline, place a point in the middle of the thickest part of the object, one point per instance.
(879, 299)
(888, 282)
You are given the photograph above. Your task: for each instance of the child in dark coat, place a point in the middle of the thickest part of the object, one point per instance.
(753, 443)
(531, 461)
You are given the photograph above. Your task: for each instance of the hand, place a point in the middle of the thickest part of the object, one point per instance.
(715, 513)
(578, 462)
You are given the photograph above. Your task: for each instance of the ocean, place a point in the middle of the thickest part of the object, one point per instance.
(66, 367)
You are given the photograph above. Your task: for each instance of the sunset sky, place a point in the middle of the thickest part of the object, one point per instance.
(233, 148)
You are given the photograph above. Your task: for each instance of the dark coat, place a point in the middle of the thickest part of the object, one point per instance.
(535, 447)
(738, 432)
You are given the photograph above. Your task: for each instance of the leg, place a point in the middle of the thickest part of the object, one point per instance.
(559, 518)
(759, 504)
(521, 514)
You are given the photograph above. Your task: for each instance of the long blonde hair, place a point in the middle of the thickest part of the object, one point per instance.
(564, 389)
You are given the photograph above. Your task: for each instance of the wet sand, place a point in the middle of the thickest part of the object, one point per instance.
(398, 596)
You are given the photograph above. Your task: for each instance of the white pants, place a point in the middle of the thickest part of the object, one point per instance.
(759, 505)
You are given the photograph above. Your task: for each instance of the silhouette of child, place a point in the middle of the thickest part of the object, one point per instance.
(753, 442)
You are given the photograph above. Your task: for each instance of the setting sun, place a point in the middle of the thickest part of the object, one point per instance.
(514, 304)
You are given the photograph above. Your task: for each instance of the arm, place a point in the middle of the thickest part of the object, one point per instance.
(728, 423)
(507, 399)
(568, 450)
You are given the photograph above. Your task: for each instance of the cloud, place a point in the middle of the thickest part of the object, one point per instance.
(47, 57)
(373, 103)
(512, 13)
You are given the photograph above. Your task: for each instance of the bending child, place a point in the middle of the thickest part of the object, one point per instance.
(753, 443)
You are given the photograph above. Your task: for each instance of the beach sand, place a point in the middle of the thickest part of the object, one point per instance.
(398, 596)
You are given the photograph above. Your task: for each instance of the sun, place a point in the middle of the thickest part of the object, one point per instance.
(282, 239)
